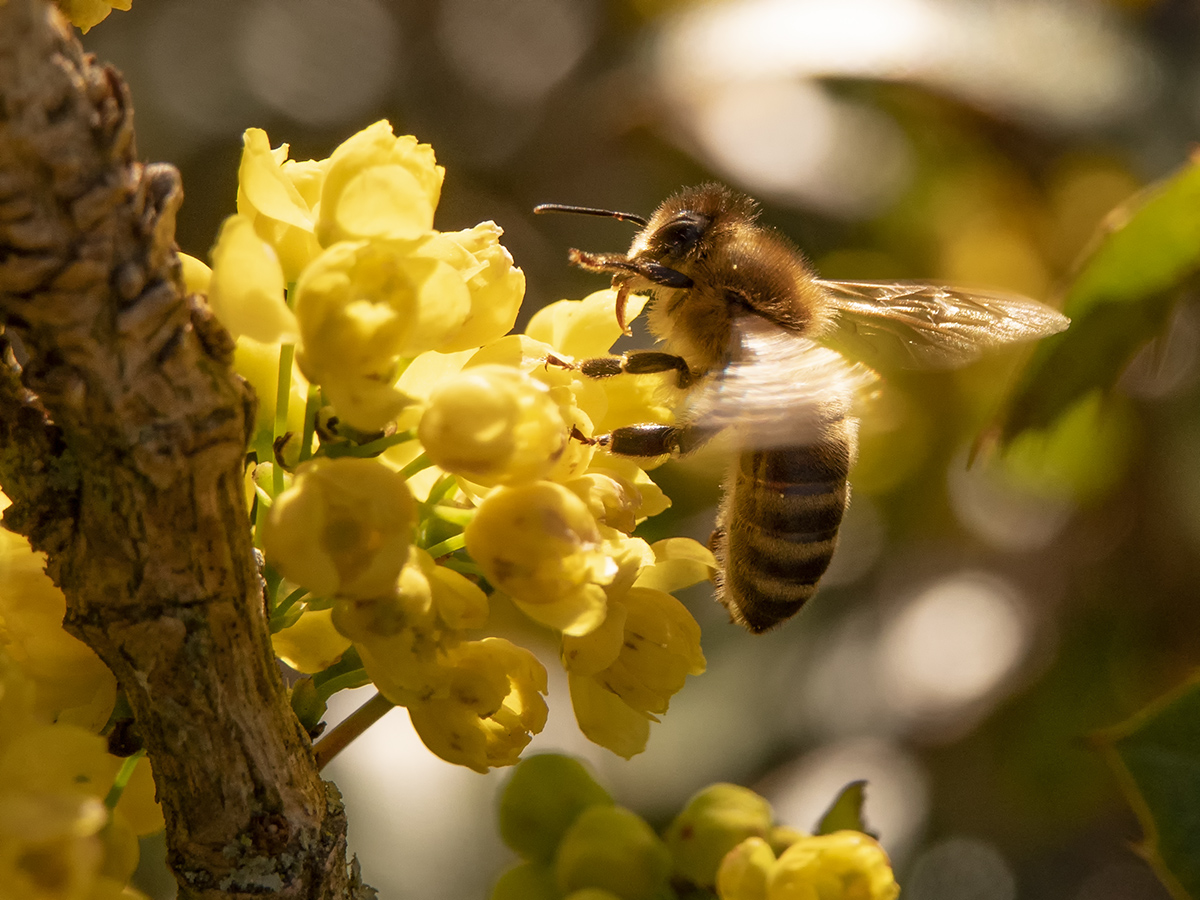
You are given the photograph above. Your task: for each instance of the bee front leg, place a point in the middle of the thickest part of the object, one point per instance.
(638, 362)
(650, 440)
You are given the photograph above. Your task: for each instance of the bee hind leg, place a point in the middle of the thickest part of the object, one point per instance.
(650, 440)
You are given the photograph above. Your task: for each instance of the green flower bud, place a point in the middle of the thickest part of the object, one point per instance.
(612, 848)
(715, 821)
(528, 881)
(542, 798)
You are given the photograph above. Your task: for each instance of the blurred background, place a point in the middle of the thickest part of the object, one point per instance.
(979, 622)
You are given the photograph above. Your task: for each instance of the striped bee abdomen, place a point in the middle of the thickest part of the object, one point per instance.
(778, 526)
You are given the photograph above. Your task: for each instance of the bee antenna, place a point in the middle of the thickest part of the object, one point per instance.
(589, 211)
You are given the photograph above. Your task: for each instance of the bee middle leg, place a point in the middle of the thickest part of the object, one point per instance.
(638, 362)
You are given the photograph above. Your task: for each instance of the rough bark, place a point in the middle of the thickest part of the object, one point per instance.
(123, 441)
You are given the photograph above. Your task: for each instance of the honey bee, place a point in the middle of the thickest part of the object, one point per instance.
(750, 330)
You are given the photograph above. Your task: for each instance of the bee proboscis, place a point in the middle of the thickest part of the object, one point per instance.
(749, 329)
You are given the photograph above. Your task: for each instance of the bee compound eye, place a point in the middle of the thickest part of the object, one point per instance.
(682, 234)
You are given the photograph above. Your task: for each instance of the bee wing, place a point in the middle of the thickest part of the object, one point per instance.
(779, 389)
(918, 325)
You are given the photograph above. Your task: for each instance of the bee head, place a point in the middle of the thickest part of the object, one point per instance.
(683, 226)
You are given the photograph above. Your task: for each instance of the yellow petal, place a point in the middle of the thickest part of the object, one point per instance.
(247, 289)
(312, 643)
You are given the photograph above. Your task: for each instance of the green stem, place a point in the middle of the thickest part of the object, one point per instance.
(463, 566)
(311, 407)
(453, 514)
(442, 489)
(419, 464)
(122, 780)
(340, 737)
(287, 603)
(283, 393)
(374, 448)
(448, 546)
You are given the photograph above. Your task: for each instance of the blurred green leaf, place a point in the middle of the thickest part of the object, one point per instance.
(1156, 755)
(846, 812)
(308, 704)
(1123, 293)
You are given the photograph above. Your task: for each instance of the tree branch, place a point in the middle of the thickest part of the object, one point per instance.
(124, 450)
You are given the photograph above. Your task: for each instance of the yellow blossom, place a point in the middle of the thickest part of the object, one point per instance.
(582, 328)
(342, 528)
(845, 865)
(538, 543)
(605, 719)
(69, 682)
(619, 493)
(364, 308)
(247, 288)
(379, 185)
(84, 14)
(493, 425)
(496, 286)
(279, 196)
(196, 275)
(744, 870)
(658, 649)
(678, 563)
(491, 709)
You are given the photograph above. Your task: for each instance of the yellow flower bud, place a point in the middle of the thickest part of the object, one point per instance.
(538, 543)
(342, 528)
(493, 425)
(379, 186)
(406, 667)
(52, 846)
(845, 865)
(362, 309)
(428, 599)
(744, 871)
(492, 708)
(247, 289)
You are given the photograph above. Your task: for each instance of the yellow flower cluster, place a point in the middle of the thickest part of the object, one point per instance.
(575, 844)
(59, 839)
(844, 865)
(416, 454)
